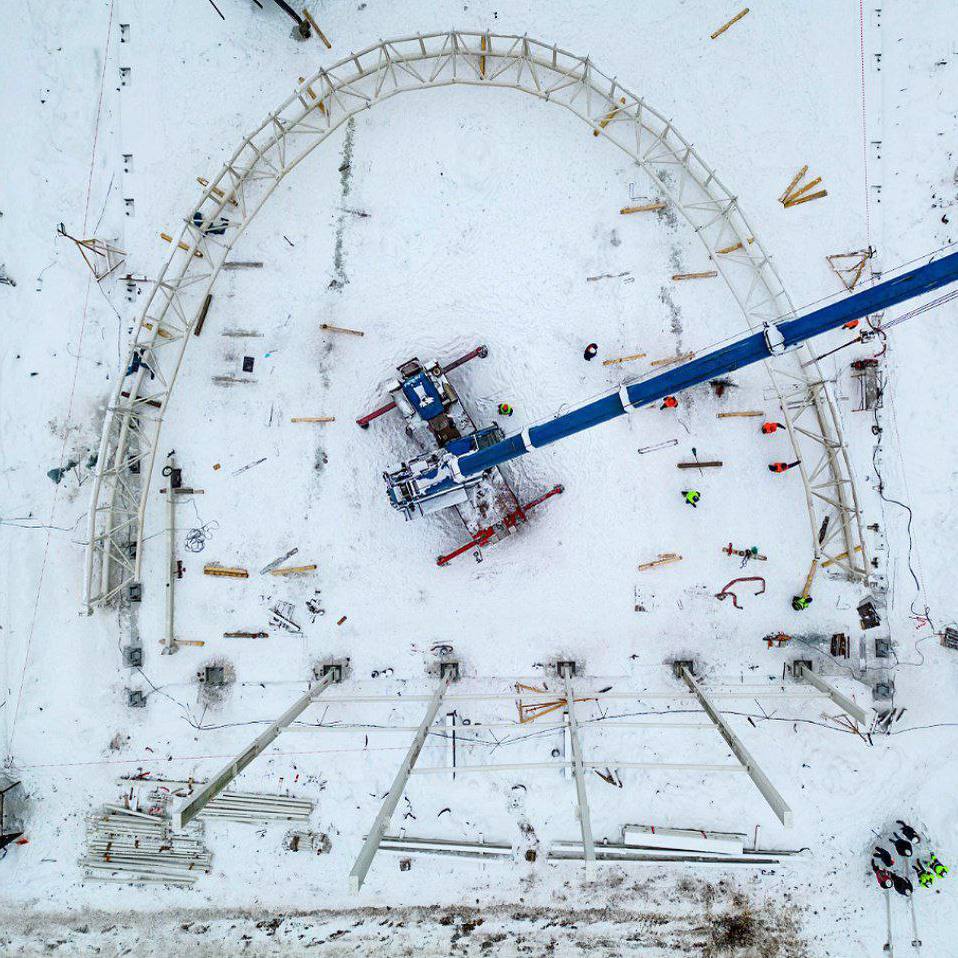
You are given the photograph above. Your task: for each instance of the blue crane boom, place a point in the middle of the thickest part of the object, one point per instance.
(438, 479)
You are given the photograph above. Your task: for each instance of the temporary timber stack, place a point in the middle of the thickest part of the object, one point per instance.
(129, 846)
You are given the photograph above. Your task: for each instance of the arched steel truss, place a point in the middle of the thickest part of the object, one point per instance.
(128, 447)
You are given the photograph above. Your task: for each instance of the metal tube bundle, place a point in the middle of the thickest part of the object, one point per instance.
(128, 846)
(250, 807)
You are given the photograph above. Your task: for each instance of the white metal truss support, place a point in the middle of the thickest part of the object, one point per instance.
(802, 673)
(371, 845)
(761, 781)
(585, 819)
(318, 107)
(170, 641)
(196, 803)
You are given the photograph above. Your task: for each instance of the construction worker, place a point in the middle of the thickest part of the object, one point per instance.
(801, 602)
(884, 879)
(902, 846)
(883, 855)
(691, 497)
(909, 832)
(782, 466)
(902, 885)
(590, 351)
(936, 866)
(136, 363)
(769, 427)
(505, 409)
(926, 878)
(851, 324)
(670, 402)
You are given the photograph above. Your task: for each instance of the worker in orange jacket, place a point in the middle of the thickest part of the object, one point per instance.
(769, 427)
(670, 402)
(782, 466)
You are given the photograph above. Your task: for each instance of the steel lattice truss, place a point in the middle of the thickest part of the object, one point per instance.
(316, 109)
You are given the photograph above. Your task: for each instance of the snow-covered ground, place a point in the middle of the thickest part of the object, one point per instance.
(487, 214)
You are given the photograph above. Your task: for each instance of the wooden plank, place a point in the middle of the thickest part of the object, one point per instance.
(198, 328)
(794, 196)
(664, 559)
(738, 16)
(226, 571)
(622, 359)
(838, 558)
(806, 199)
(672, 359)
(293, 570)
(645, 208)
(739, 245)
(733, 415)
(313, 419)
(341, 329)
(707, 274)
(714, 464)
(182, 246)
(607, 119)
(791, 186)
(322, 36)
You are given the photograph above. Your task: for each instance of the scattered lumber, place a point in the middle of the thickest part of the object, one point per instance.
(793, 197)
(706, 274)
(243, 264)
(160, 332)
(839, 557)
(322, 36)
(293, 570)
(622, 359)
(246, 635)
(664, 559)
(313, 419)
(155, 403)
(751, 413)
(607, 119)
(341, 620)
(341, 329)
(198, 643)
(181, 245)
(672, 359)
(715, 464)
(738, 16)
(216, 191)
(225, 571)
(854, 268)
(644, 208)
(731, 249)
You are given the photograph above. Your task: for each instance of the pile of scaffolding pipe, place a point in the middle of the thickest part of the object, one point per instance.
(252, 807)
(128, 846)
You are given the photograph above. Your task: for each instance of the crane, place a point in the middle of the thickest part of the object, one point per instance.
(443, 477)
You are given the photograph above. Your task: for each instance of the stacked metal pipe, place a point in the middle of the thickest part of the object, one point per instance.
(127, 846)
(251, 807)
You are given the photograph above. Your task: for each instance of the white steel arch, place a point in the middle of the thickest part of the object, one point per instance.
(316, 109)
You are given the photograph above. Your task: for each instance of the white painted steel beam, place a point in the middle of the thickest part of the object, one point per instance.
(196, 803)
(358, 873)
(842, 701)
(585, 819)
(762, 783)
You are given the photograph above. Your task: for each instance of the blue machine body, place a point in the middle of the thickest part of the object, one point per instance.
(451, 469)
(423, 396)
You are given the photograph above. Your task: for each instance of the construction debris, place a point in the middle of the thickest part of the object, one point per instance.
(313, 419)
(254, 808)
(341, 329)
(225, 571)
(315, 26)
(622, 359)
(644, 208)
(793, 196)
(725, 250)
(293, 570)
(607, 119)
(708, 274)
(658, 445)
(281, 617)
(246, 635)
(738, 16)
(716, 464)
(664, 559)
(684, 357)
(751, 413)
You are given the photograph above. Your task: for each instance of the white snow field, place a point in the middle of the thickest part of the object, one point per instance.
(435, 222)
